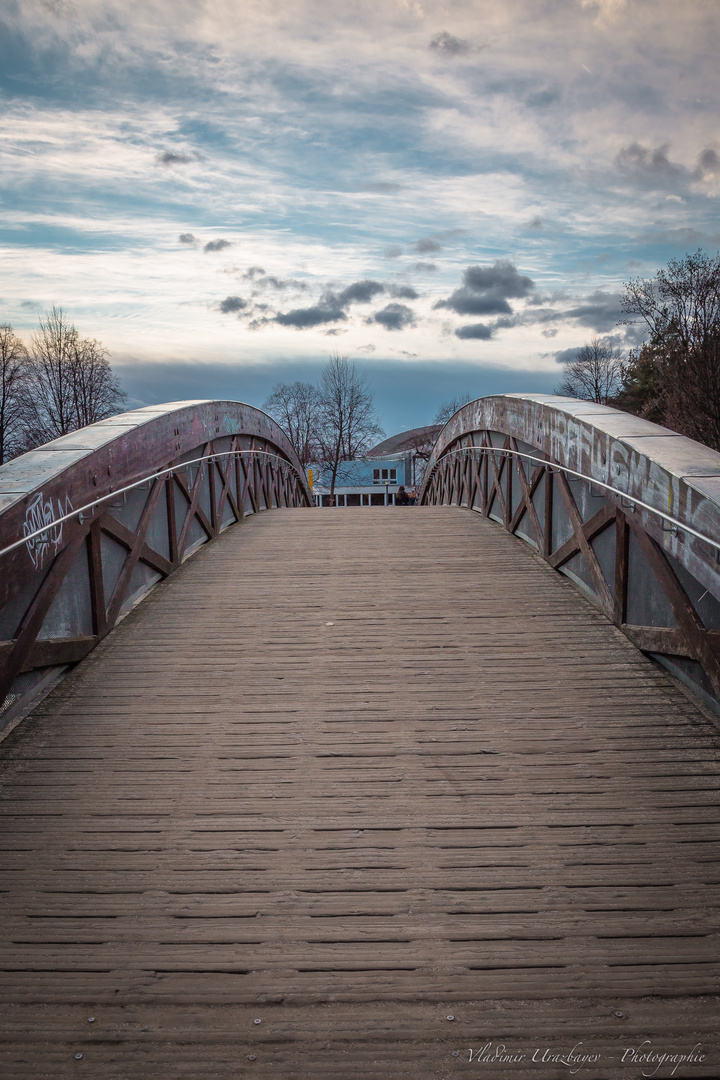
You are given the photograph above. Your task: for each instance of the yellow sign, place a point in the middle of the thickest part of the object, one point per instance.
(310, 478)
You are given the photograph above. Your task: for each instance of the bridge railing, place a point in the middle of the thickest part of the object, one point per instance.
(628, 510)
(90, 522)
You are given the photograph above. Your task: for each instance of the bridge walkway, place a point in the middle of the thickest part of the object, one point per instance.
(352, 792)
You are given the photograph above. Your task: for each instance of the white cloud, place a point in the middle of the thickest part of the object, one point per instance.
(315, 142)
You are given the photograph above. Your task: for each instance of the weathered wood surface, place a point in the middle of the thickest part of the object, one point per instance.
(349, 773)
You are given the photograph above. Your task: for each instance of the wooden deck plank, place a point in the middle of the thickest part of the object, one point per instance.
(347, 772)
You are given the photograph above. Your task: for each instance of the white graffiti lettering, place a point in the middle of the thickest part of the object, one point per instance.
(42, 512)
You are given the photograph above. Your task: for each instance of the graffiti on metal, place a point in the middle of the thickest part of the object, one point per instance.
(42, 512)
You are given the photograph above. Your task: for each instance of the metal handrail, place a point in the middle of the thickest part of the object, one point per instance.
(137, 483)
(554, 465)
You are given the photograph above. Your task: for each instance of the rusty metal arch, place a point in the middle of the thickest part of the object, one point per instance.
(504, 456)
(64, 588)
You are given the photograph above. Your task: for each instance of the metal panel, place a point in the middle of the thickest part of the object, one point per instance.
(113, 560)
(61, 591)
(657, 581)
(70, 614)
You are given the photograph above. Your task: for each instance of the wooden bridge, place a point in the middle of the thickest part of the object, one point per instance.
(364, 792)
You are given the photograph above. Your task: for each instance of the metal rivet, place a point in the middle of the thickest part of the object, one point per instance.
(329, 623)
(257, 1021)
(618, 1013)
(78, 1057)
(449, 1017)
(91, 1019)
(455, 1053)
(252, 1057)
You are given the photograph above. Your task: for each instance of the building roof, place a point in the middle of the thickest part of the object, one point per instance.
(406, 440)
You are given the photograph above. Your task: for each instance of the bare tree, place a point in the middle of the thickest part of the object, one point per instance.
(97, 391)
(51, 398)
(674, 377)
(71, 383)
(297, 408)
(450, 407)
(595, 373)
(680, 307)
(13, 382)
(348, 419)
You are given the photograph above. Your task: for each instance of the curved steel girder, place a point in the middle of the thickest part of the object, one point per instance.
(67, 565)
(97, 460)
(651, 463)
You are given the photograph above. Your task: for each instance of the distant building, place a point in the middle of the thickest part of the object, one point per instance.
(363, 482)
(414, 446)
(374, 479)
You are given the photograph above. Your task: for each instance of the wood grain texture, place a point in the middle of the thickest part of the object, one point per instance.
(350, 772)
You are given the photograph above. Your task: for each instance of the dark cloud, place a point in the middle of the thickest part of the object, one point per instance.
(392, 252)
(261, 280)
(555, 297)
(475, 331)
(326, 311)
(485, 290)
(279, 284)
(501, 279)
(466, 301)
(187, 238)
(536, 224)
(601, 311)
(332, 306)
(427, 267)
(403, 292)
(232, 303)
(649, 166)
(428, 244)
(446, 43)
(172, 157)
(394, 317)
(708, 165)
(360, 292)
(566, 356)
(531, 316)
(217, 245)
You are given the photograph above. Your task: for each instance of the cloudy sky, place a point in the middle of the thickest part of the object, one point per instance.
(450, 192)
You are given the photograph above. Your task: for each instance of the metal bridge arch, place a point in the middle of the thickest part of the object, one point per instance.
(629, 510)
(131, 498)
